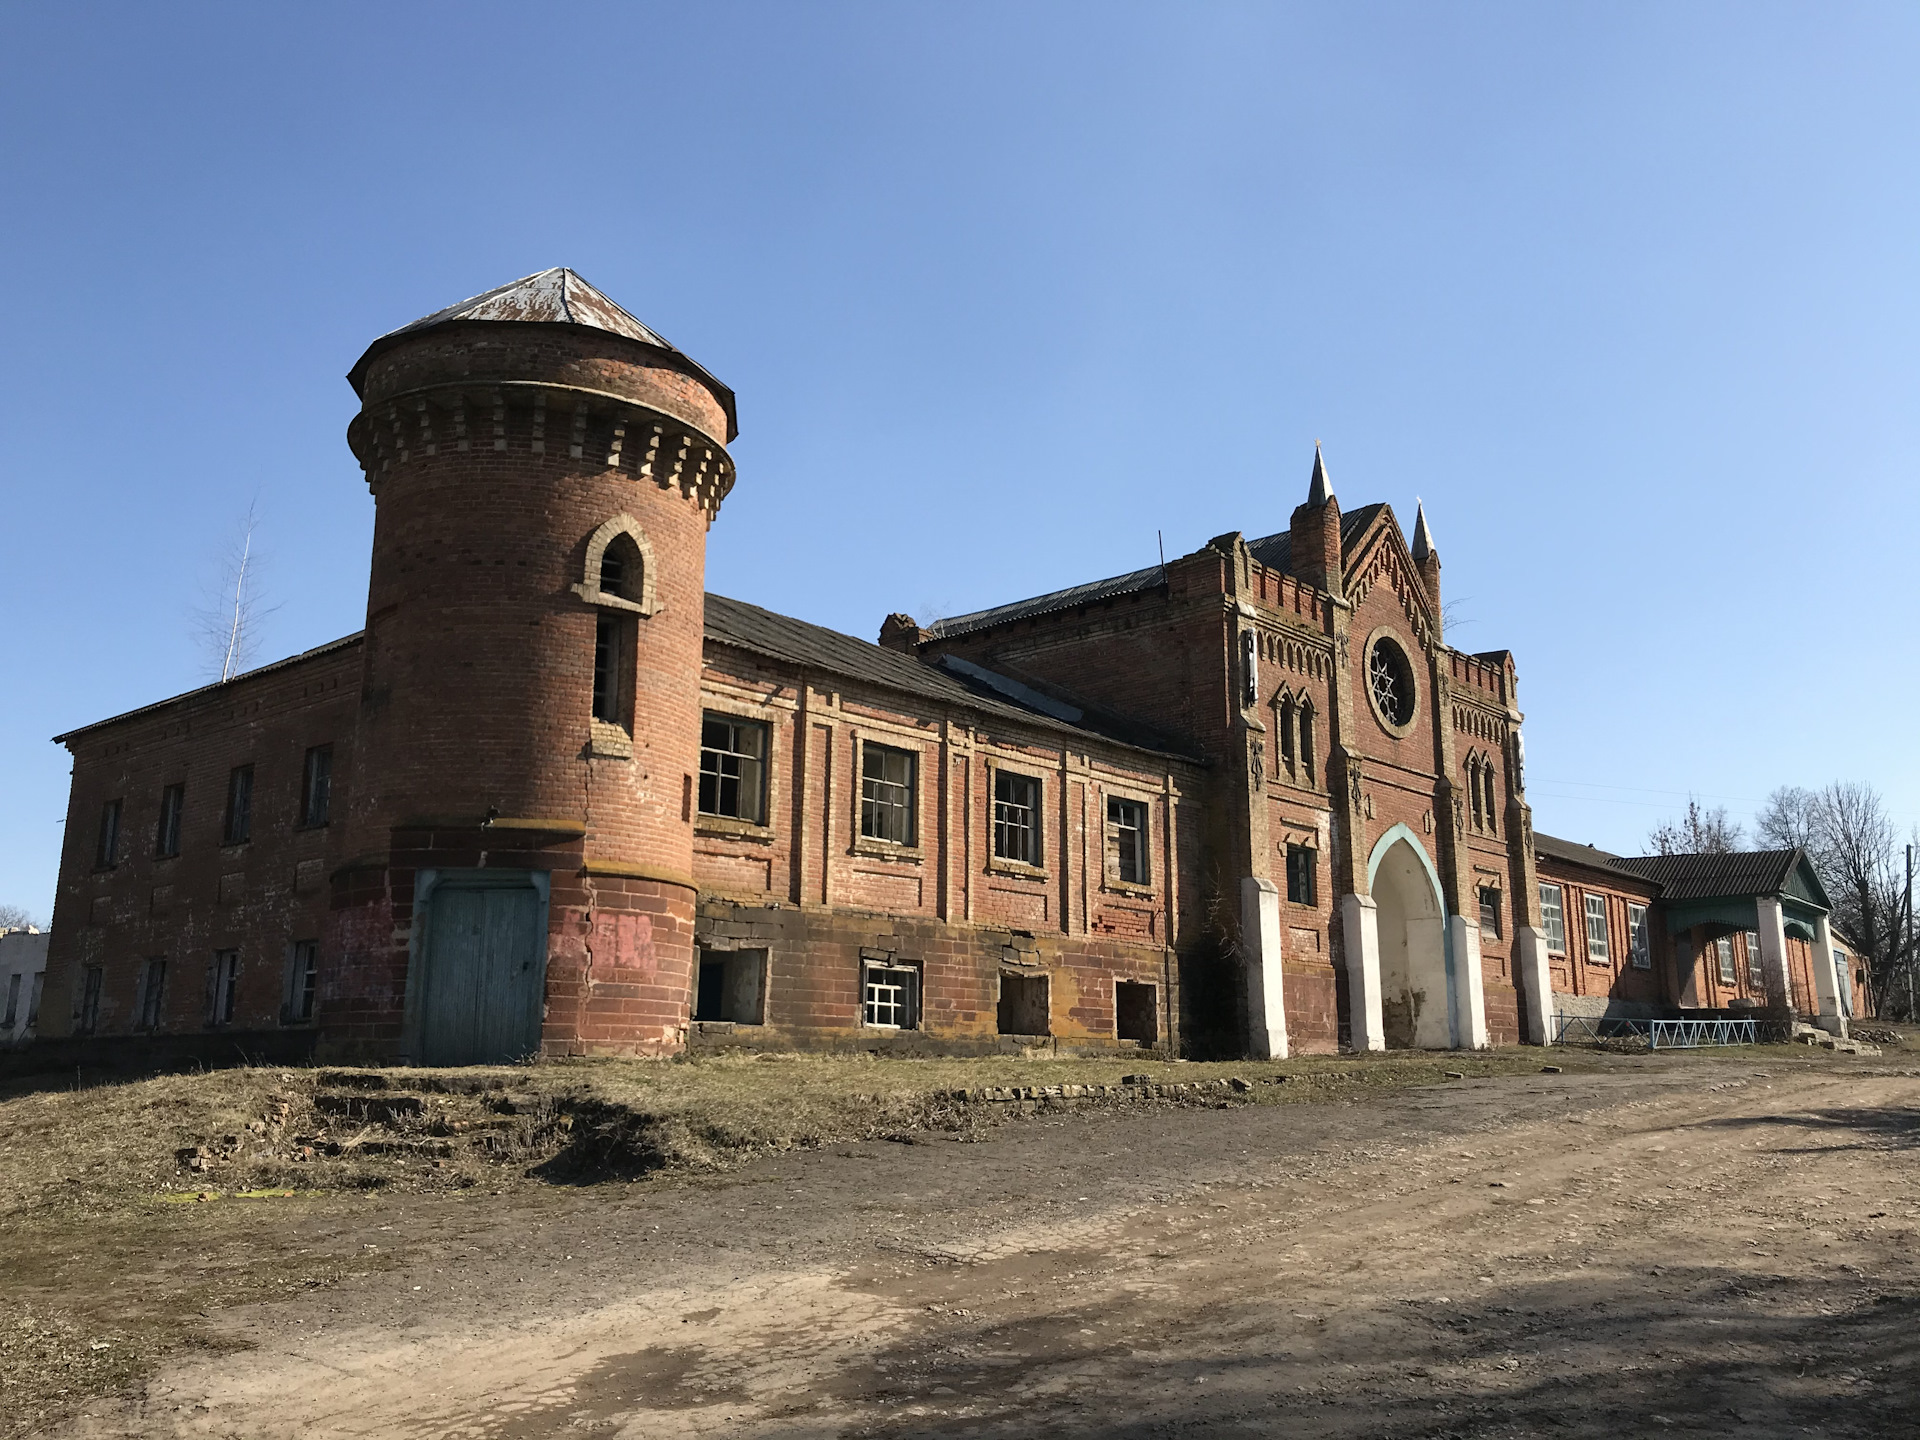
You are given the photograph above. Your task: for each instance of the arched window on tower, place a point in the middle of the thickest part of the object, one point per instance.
(1307, 773)
(622, 570)
(1473, 789)
(1284, 710)
(1493, 810)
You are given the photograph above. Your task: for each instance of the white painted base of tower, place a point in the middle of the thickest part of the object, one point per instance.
(1536, 984)
(1260, 943)
(1469, 989)
(1360, 940)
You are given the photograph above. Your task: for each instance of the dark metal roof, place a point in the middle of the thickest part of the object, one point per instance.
(314, 654)
(1710, 877)
(1276, 551)
(781, 637)
(1570, 853)
(552, 297)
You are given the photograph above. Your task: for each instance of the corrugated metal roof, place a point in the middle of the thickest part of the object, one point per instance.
(552, 297)
(781, 637)
(1571, 853)
(1709, 877)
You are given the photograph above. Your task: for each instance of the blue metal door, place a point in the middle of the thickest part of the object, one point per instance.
(485, 970)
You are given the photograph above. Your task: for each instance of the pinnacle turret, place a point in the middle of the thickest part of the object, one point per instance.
(1422, 536)
(1320, 490)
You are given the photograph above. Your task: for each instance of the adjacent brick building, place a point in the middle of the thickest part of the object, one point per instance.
(555, 798)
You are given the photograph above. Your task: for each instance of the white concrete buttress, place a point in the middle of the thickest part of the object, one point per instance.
(1469, 988)
(1773, 951)
(1536, 983)
(1260, 945)
(1360, 939)
(1826, 984)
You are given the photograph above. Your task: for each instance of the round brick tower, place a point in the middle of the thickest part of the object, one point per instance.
(544, 470)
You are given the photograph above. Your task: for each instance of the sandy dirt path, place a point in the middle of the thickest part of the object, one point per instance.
(1723, 1248)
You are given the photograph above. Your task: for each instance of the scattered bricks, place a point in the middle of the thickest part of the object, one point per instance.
(1136, 1079)
(370, 1109)
(1550, 1070)
(1453, 1074)
(1240, 1084)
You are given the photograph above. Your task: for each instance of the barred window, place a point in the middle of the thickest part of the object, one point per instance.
(891, 996)
(1553, 919)
(886, 794)
(733, 758)
(1639, 943)
(1127, 828)
(1016, 817)
(1599, 951)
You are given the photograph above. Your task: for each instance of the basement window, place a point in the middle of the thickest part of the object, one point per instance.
(890, 996)
(732, 986)
(226, 986)
(1136, 1012)
(1023, 1004)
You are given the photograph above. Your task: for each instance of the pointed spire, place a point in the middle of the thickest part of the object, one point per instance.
(1422, 537)
(1321, 490)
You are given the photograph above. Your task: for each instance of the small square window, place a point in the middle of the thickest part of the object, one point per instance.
(316, 787)
(1302, 875)
(1553, 919)
(1127, 834)
(733, 761)
(1639, 943)
(891, 996)
(166, 840)
(1490, 911)
(1598, 948)
(886, 794)
(226, 985)
(107, 844)
(239, 825)
(1016, 817)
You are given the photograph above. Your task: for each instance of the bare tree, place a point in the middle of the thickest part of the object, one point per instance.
(229, 617)
(15, 917)
(1789, 820)
(1698, 832)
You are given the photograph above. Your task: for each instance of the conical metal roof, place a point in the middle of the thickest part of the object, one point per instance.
(1320, 490)
(1422, 537)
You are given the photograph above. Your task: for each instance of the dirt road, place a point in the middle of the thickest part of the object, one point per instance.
(1723, 1248)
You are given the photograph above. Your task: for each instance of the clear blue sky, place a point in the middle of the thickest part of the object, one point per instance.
(1627, 292)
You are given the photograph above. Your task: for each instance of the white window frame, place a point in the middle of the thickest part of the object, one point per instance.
(1553, 917)
(1639, 943)
(900, 1000)
(1599, 946)
(1756, 970)
(1723, 951)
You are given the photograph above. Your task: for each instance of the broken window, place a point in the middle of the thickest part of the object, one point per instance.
(1638, 941)
(1127, 831)
(166, 840)
(107, 843)
(303, 980)
(1553, 919)
(732, 986)
(1023, 1004)
(153, 994)
(1490, 911)
(613, 640)
(886, 794)
(239, 826)
(1598, 950)
(1302, 875)
(226, 985)
(1136, 1012)
(89, 1016)
(1016, 817)
(316, 787)
(733, 757)
(891, 996)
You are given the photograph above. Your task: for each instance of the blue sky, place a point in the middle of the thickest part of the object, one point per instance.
(1628, 293)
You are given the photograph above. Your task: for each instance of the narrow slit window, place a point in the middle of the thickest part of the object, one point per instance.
(1127, 827)
(886, 794)
(733, 758)
(1306, 744)
(1473, 786)
(166, 842)
(316, 787)
(239, 822)
(612, 668)
(1289, 752)
(1016, 817)
(1486, 781)
(107, 844)
(89, 1018)
(226, 985)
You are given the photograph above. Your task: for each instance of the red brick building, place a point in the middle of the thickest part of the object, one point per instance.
(557, 798)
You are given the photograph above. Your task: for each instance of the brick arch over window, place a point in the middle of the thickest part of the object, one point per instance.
(639, 591)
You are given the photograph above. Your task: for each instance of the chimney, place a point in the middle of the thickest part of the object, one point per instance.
(902, 633)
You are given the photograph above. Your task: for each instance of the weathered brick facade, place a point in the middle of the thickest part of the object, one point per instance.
(572, 803)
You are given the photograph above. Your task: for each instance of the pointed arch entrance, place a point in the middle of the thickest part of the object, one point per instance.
(1417, 1005)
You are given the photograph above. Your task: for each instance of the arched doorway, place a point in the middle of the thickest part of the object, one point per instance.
(1416, 998)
